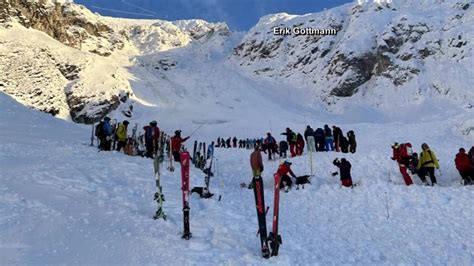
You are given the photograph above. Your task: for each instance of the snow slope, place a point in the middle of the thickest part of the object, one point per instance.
(64, 202)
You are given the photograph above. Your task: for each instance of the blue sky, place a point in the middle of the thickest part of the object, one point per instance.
(238, 14)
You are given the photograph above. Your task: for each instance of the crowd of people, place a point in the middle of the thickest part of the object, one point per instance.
(114, 136)
(319, 140)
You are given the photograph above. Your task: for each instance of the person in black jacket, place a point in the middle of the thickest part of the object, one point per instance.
(319, 139)
(283, 147)
(291, 139)
(345, 171)
(352, 141)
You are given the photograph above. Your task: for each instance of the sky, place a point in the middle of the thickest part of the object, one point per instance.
(239, 15)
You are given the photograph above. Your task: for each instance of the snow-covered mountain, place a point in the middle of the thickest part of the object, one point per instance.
(384, 54)
(60, 58)
(387, 60)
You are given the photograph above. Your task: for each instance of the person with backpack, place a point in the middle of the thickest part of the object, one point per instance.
(299, 144)
(464, 166)
(176, 142)
(344, 171)
(291, 139)
(309, 137)
(402, 153)
(283, 170)
(152, 135)
(328, 139)
(352, 141)
(283, 147)
(427, 163)
(122, 135)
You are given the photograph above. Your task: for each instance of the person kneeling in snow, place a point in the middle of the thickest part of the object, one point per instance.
(285, 180)
(345, 171)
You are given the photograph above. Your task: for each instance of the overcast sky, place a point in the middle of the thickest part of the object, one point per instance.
(238, 14)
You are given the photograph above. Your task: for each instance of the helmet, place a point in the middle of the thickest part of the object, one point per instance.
(106, 118)
(153, 123)
(287, 162)
(125, 122)
(177, 132)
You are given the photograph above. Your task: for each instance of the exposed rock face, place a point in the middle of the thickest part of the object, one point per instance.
(82, 74)
(402, 43)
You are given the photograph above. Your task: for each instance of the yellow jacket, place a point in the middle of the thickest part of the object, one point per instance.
(122, 132)
(428, 159)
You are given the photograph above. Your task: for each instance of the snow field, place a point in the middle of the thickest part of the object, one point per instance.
(64, 202)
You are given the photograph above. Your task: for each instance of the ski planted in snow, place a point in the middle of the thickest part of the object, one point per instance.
(185, 160)
(194, 152)
(274, 238)
(159, 197)
(171, 167)
(262, 223)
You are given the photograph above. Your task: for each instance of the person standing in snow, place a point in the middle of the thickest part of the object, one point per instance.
(299, 144)
(291, 139)
(337, 133)
(402, 154)
(152, 135)
(427, 163)
(256, 162)
(122, 135)
(470, 154)
(283, 170)
(352, 141)
(464, 166)
(106, 140)
(345, 171)
(234, 142)
(176, 142)
(309, 137)
(283, 147)
(270, 144)
(319, 139)
(328, 138)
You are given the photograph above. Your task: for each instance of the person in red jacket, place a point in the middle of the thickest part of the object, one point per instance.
(465, 168)
(283, 170)
(299, 144)
(401, 156)
(176, 142)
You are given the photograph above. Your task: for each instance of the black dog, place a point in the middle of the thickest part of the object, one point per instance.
(301, 180)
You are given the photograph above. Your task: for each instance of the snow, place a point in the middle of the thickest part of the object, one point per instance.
(64, 202)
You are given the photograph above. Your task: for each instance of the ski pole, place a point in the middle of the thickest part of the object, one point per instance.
(386, 205)
(196, 129)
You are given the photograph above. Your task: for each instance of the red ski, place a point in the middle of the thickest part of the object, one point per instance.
(274, 238)
(185, 160)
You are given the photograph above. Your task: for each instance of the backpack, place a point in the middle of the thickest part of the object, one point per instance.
(406, 151)
(99, 129)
